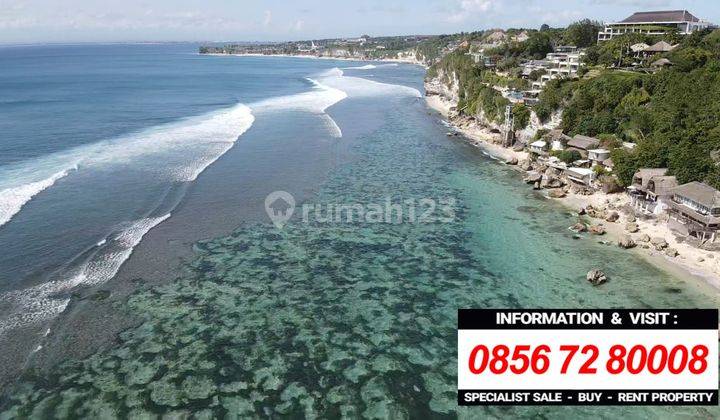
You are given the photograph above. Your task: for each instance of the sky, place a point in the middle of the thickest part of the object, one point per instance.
(39, 21)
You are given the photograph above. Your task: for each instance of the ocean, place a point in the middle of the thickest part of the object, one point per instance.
(141, 275)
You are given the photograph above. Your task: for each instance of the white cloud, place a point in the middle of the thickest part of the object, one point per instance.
(267, 19)
(61, 20)
(467, 8)
(298, 25)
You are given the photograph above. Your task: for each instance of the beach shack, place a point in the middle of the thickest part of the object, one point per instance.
(651, 189)
(694, 210)
(583, 144)
(598, 156)
(583, 176)
(538, 147)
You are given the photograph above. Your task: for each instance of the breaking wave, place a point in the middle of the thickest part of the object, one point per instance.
(316, 101)
(186, 148)
(360, 87)
(43, 302)
(366, 67)
(13, 199)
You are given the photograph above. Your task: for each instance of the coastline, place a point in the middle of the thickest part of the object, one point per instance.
(691, 263)
(315, 57)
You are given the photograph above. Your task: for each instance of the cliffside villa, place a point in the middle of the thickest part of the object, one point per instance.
(694, 210)
(651, 189)
(583, 144)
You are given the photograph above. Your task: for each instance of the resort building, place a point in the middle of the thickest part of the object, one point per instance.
(538, 147)
(695, 210)
(598, 156)
(583, 176)
(583, 144)
(654, 23)
(565, 61)
(480, 58)
(651, 189)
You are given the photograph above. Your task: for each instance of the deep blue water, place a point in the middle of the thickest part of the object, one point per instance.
(100, 143)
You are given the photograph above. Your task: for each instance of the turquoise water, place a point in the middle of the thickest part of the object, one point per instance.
(340, 319)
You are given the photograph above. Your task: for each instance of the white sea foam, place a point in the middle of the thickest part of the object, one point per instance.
(14, 198)
(329, 88)
(47, 300)
(186, 148)
(365, 67)
(316, 101)
(371, 66)
(359, 87)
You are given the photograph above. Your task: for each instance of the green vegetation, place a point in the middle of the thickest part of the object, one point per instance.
(567, 156)
(521, 116)
(669, 114)
(537, 46)
(582, 34)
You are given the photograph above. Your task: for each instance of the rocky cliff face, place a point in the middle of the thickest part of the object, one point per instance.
(448, 87)
(448, 91)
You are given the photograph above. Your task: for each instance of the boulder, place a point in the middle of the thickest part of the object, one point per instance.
(525, 164)
(610, 185)
(555, 182)
(532, 177)
(659, 243)
(552, 172)
(551, 181)
(578, 227)
(519, 147)
(556, 193)
(541, 167)
(537, 186)
(596, 277)
(644, 238)
(626, 242)
(671, 252)
(512, 160)
(597, 230)
(632, 227)
(581, 211)
(700, 259)
(612, 216)
(630, 217)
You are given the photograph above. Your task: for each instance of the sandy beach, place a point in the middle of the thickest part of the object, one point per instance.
(700, 266)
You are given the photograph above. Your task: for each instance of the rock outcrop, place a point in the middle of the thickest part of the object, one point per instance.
(658, 243)
(597, 230)
(612, 216)
(532, 177)
(632, 227)
(596, 277)
(578, 227)
(626, 242)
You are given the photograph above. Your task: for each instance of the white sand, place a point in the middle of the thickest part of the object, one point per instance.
(686, 265)
(479, 136)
